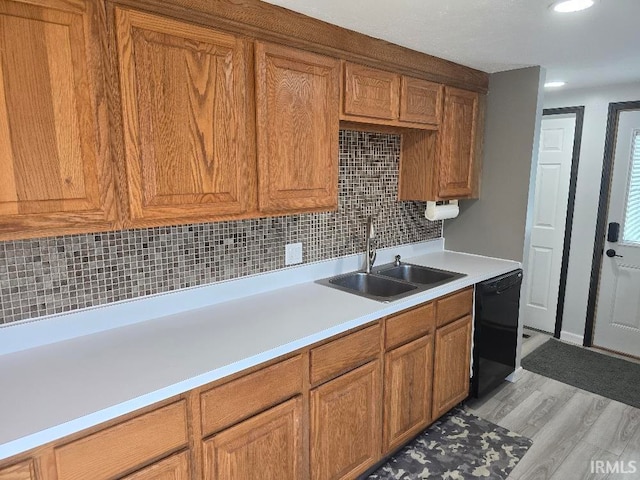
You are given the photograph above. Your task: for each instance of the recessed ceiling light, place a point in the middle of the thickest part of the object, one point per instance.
(568, 6)
(554, 84)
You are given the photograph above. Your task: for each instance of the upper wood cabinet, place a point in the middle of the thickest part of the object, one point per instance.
(458, 144)
(54, 134)
(375, 96)
(369, 92)
(186, 120)
(21, 471)
(445, 164)
(297, 105)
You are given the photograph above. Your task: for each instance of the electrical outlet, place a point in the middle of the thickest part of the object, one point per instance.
(292, 253)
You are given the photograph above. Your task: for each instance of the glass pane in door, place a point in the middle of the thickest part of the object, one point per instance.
(631, 233)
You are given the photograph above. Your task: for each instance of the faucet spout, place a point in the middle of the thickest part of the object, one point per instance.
(370, 253)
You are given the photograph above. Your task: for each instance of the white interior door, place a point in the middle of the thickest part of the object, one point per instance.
(542, 277)
(617, 325)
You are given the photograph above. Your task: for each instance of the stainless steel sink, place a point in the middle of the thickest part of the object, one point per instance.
(371, 286)
(418, 274)
(391, 282)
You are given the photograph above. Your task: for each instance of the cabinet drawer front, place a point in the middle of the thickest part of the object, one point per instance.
(344, 354)
(409, 325)
(21, 471)
(454, 306)
(175, 467)
(370, 92)
(266, 447)
(421, 101)
(124, 447)
(227, 404)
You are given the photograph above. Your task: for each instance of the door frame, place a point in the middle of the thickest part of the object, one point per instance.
(603, 210)
(571, 202)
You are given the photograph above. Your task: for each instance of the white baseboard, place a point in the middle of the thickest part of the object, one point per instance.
(515, 376)
(571, 338)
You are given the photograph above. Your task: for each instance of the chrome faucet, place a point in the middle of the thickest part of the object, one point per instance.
(370, 254)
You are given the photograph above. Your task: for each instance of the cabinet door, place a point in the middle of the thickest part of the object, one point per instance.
(345, 424)
(54, 148)
(451, 365)
(21, 471)
(458, 144)
(408, 371)
(297, 107)
(187, 134)
(172, 468)
(369, 92)
(267, 446)
(420, 101)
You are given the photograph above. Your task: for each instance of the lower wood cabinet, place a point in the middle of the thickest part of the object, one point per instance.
(451, 365)
(173, 468)
(407, 391)
(20, 471)
(267, 446)
(345, 424)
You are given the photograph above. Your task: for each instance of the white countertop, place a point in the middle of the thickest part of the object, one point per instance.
(50, 391)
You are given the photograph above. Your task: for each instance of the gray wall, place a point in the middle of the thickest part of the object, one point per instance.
(596, 103)
(494, 225)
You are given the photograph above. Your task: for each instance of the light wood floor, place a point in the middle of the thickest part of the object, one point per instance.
(569, 428)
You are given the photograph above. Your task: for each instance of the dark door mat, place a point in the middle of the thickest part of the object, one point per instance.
(458, 446)
(595, 372)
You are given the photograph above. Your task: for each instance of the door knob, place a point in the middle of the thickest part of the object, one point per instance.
(612, 253)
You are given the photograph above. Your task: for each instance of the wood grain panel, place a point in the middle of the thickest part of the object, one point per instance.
(122, 448)
(231, 402)
(420, 101)
(272, 23)
(409, 325)
(419, 163)
(344, 354)
(184, 102)
(346, 424)
(175, 467)
(454, 306)
(297, 103)
(451, 365)
(458, 143)
(21, 471)
(53, 131)
(267, 446)
(369, 92)
(408, 372)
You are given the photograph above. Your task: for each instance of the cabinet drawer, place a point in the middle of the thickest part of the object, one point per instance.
(20, 471)
(227, 404)
(344, 354)
(454, 306)
(123, 447)
(409, 325)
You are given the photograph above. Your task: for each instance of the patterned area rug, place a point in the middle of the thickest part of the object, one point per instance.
(459, 446)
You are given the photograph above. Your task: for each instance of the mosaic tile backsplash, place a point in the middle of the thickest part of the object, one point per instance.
(53, 275)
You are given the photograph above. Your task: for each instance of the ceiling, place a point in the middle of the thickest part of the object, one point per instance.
(597, 46)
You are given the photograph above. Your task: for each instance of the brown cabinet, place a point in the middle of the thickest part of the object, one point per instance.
(297, 104)
(187, 122)
(445, 164)
(407, 391)
(379, 97)
(20, 471)
(451, 365)
(345, 424)
(456, 170)
(175, 467)
(267, 446)
(54, 133)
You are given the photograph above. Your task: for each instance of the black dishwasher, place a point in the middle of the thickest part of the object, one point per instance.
(495, 333)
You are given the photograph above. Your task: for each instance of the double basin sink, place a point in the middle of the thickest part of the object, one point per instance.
(391, 282)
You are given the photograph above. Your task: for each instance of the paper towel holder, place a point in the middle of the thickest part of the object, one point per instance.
(441, 210)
